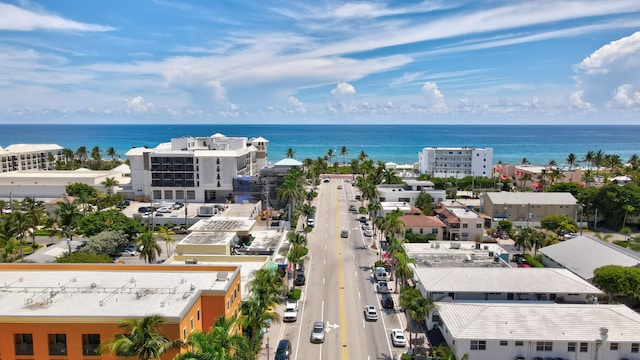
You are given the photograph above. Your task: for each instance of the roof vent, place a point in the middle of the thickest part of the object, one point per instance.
(222, 276)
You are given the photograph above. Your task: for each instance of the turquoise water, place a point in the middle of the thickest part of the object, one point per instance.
(396, 143)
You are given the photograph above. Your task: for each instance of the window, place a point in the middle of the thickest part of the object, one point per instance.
(198, 314)
(584, 347)
(544, 346)
(90, 344)
(478, 226)
(635, 347)
(184, 333)
(571, 347)
(191, 324)
(434, 231)
(504, 343)
(519, 343)
(613, 347)
(464, 226)
(478, 345)
(24, 344)
(57, 344)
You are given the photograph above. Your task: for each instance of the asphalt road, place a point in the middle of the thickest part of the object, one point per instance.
(339, 285)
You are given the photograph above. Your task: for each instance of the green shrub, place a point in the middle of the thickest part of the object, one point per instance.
(622, 243)
(294, 294)
(533, 261)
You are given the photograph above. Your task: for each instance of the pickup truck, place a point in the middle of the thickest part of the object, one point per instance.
(290, 312)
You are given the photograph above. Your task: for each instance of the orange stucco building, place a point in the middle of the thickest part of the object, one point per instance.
(67, 311)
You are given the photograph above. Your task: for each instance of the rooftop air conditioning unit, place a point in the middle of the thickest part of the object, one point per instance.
(191, 261)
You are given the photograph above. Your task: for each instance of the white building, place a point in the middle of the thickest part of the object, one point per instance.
(201, 169)
(27, 157)
(456, 162)
(409, 191)
(502, 284)
(537, 330)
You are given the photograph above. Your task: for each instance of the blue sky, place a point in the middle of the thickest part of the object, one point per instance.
(453, 61)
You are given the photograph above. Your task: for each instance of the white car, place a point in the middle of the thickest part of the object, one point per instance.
(383, 287)
(368, 233)
(164, 210)
(290, 312)
(397, 338)
(370, 313)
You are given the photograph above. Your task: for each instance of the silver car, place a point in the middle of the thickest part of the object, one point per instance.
(317, 334)
(370, 313)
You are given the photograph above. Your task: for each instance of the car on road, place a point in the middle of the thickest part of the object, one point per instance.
(366, 226)
(311, 221)
(344, 233)
(290, 312)
(339, 187)
(357, 197)
(383, 287)
(317, 333)
(387, 302)
(352, 207)
(370, 313)
(300, 279)
(368, 233)
(362, 219)
(326, 180)
(283, 351)
(381, 274)
(397, 338)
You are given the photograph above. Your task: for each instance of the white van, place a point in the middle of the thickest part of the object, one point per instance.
(381, 274)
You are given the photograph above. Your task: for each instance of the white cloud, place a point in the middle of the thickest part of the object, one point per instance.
(625, 97)
(576, 100)
(343, 93)
(297, 104)
(137, 105)
(433, 97)
(608, 76)
(14, 18)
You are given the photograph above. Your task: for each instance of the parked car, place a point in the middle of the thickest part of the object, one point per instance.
(317, 333)
(339, 187)
(164, 210)
(397, 338)
(283, 351)
(366, 226)
(368, 233)
(381, 274)
(290, 312)
(344, 233)
(370, 313)
(387, 302)
(311, 221)
(300, 279)
(383, 287)
(129, 252)
(362, 219)
(352, 207)
(357, 197)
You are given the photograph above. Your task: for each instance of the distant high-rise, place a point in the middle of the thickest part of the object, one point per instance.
(456, 162)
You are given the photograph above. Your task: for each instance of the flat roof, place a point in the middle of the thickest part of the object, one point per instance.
(463, 213)
(110, 291)
(208, 238)
(441, 254)
(594, 253)
(539, 321)
(223, 223)
(503, 279)
(533, 198)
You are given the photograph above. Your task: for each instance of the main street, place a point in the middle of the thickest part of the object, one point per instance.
(339, 285)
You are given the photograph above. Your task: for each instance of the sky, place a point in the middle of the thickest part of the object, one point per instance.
(320, 61)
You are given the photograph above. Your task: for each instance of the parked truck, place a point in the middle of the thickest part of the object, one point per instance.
(290, 312)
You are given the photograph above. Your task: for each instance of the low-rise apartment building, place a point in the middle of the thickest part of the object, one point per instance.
(69, 311)
(25, 157)
(457, 162)
(424, 225)
(462, 223)
(528, 207)
(537, 330)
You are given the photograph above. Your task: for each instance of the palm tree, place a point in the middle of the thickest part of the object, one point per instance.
(330, 155)
(109, 183)
(68, 154)
(35, 213)
(296, 238)
(149, 248)
(165, 234)
(111, 152)
(552, 163)
(81, 154)
(96, 153)
(68, 217)
(290, 153)
(292, 190)
(598, 160)
(403, 268)
(392, 225)
(141, 339)
(254, 317)
(219, 343)
(523, 240)
(525, 161)
(571, 160)
(587, 177)
(266, 286)
(416, 305)
(344, 152)
(294, 256)
(634, 162)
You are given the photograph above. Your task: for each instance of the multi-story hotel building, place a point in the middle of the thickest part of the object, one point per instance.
(200, 169)
(24, 157)
(69, 311)
(456, 162)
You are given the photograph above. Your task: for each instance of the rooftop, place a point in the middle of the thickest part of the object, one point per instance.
(539, 321)
(112, 291)
(533, 198)
(232, 224)
(445, 254)
(594, 253)
(503, 279)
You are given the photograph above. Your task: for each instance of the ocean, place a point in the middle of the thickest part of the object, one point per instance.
(388, 143)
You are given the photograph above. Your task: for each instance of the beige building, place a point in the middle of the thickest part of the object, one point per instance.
(528, 206)
(25, 157)
(424, 225)
(461, 223)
